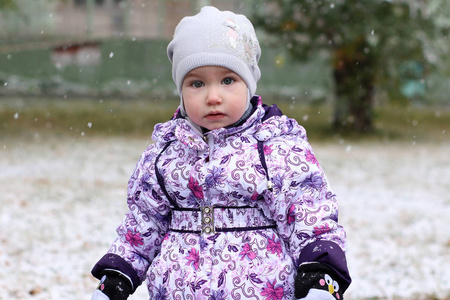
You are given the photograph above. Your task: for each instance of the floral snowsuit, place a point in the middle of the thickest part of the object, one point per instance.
(267, 210)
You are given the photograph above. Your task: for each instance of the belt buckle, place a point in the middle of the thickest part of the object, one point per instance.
(207, 219)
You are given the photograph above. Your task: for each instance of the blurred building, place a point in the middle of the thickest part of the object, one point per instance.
(115, 47)
(99, 19)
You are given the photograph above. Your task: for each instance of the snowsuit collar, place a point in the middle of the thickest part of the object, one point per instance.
(264, 123)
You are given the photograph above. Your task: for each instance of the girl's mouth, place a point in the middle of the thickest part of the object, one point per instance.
(215, 116)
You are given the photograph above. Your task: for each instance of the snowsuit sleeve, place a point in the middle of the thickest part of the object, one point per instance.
(143, 228)
(304, 207)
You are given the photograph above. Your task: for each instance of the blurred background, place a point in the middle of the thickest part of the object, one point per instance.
(354, 56)
(83, 82)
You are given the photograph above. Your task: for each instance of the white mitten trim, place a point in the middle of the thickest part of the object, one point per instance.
(315, 294)
(98, 295)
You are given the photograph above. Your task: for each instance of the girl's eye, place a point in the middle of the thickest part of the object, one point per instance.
(197, 84)
(228, 81)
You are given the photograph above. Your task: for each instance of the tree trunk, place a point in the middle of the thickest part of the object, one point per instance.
(354, 75)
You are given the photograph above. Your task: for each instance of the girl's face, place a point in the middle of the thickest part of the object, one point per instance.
(214, 97)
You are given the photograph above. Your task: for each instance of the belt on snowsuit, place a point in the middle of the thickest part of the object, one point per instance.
(211, 219)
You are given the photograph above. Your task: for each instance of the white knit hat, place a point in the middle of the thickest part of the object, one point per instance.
(215, 38)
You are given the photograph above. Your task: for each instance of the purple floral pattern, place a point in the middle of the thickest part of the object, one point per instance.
(272, 291)
(193, 258)
(257, 264)
(134, 238)
(274, 245)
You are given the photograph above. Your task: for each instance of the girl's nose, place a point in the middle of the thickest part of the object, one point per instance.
(214, 96)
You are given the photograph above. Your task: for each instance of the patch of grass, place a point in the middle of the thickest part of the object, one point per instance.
(86, 117)
(392, 123)
(417, 123)
(26, 117)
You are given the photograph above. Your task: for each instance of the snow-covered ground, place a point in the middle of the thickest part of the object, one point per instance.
(61, 199)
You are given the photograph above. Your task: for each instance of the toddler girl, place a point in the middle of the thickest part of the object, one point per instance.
(230, 201)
